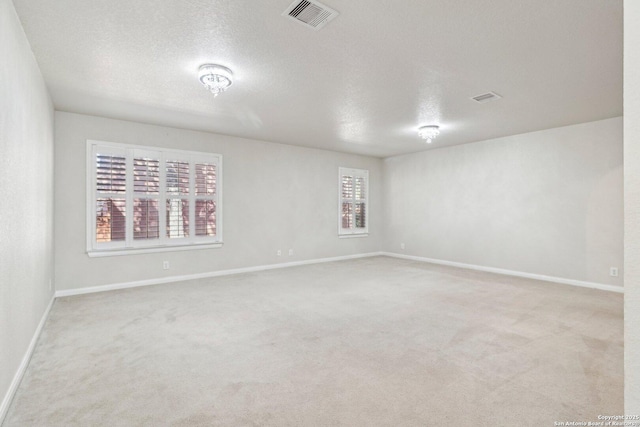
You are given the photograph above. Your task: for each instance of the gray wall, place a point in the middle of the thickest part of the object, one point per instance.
(632, 206)
(547, 202)
(274, 197)
(26, 211)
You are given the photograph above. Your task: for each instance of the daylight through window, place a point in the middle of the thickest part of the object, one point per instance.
(145, 198)
(353, 202)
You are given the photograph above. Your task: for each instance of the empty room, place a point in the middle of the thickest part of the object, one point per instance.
(334, 213)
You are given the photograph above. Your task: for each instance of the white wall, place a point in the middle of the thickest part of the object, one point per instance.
(274, 197)
(26, 211)
(632, 206)
(547, 203)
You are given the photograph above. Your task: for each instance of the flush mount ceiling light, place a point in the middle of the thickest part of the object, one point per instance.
(429, 132)
(215, 78)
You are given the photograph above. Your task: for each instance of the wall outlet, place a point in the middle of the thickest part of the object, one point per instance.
(165, 265)
(290, 252)
(279, 253)
(402, 246)
(613, 272)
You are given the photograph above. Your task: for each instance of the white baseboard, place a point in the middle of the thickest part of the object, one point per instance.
(170, 279)
(17, 378)
(4, 407)
(561, 280)
(161, 280)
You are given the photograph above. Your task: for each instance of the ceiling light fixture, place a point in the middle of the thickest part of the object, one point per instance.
(429, 132)
(215, 78)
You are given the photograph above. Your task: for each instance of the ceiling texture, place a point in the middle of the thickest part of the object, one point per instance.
(362, 84)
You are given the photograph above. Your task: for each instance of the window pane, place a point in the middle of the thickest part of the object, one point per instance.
(146, 175)
(347, 187)
(145, 219)
(361, 215)
(205, 218)
(177, 218)
(360, 188)
(177, 177)
(205, 179)
(347, 215)
(110, 220)
(111, 173)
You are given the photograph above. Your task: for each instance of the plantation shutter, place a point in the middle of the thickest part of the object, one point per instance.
(353, 201)
(360, 201)
(205, 206)
(110, 202)
(347, 202)
(147, 198)
(178, 185)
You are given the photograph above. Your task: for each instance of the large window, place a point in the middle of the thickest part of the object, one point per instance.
(353, 206)
(144, 199)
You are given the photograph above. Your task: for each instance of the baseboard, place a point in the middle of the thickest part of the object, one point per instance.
(561, 280)
(170, 279)
(17, 378)
(6, 402)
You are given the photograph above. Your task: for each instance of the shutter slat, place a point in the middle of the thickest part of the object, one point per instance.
(111, 173)
(177, 177)
(146, 175)
(177, 218)
(205, 217)
(205, 179)
(146, 221)
(110, 219)
(347, 215)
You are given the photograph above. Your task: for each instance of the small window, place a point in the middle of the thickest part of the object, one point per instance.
(353, 202)
(148, 199)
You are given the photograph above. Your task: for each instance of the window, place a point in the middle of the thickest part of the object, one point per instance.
(353, 201)
(144, 199)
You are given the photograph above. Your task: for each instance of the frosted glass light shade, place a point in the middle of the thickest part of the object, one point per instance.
(215, 78)
(429, 132)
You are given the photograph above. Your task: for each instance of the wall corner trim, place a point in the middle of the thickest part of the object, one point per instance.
(17, 378)
(170, 279)
(572, 282)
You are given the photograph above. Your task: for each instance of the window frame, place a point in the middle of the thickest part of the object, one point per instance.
(353, 231)
(162, 244)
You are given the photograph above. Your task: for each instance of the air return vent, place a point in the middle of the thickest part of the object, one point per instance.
(486, 97)
(311, 14)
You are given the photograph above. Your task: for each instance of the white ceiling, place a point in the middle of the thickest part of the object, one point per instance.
(363, 84)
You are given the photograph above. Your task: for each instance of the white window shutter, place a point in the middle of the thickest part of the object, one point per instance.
(143, 198)
(353, 202)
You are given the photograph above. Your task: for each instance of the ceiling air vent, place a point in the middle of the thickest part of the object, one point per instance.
(486, 97)
(311, 14)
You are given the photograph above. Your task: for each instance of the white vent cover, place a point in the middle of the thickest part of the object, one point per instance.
(311, 14)
(486, 97)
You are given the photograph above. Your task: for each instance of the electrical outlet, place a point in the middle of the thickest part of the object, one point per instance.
(402, 246)
(165, 265)
(290, 252)
(613, 272)
(279, 253)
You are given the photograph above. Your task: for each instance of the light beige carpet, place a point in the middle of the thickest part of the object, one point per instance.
(370, 342)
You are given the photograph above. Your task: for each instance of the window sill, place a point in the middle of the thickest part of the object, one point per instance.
(135, 251)
(352, 236)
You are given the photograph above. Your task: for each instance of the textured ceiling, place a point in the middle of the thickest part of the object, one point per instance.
(363, 84)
